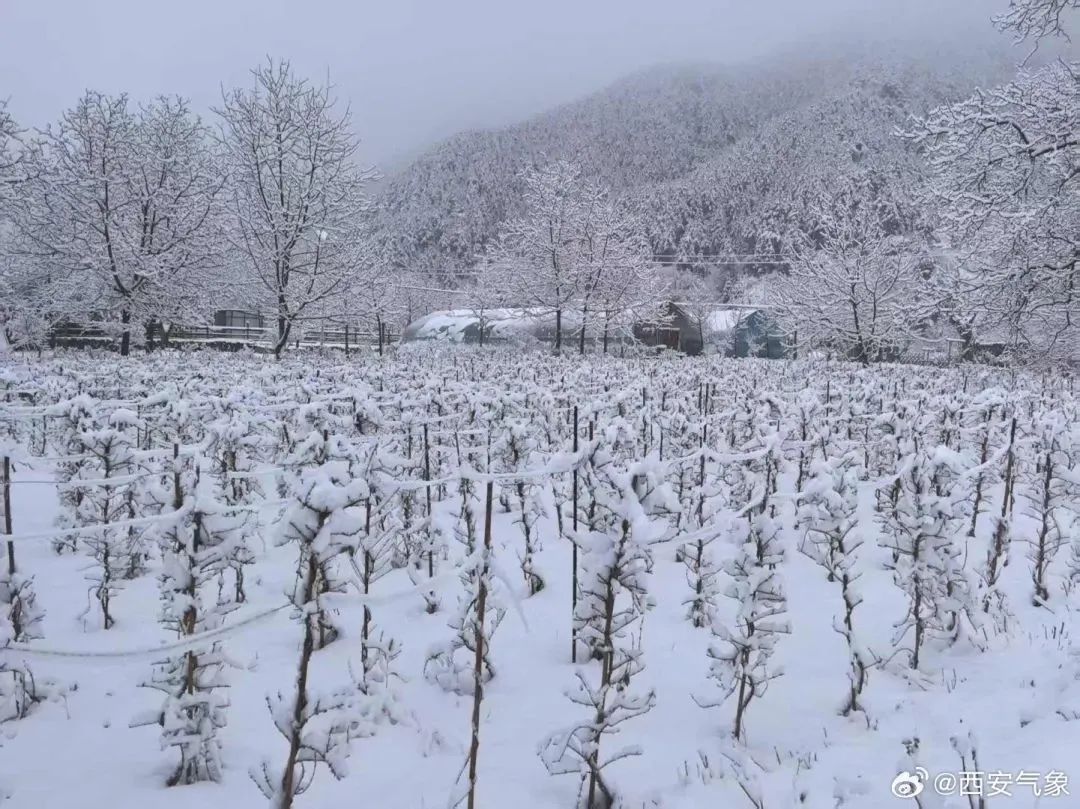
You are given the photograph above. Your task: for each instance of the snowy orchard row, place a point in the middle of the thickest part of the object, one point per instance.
(776, 584)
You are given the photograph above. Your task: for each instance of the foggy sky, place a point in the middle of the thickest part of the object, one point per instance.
(415, 71)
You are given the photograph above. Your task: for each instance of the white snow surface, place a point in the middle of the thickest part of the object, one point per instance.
(1019, 695)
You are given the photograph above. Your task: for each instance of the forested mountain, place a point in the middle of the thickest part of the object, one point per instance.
(715, 158)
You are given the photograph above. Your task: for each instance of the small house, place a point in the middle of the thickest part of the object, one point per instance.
(731, 331)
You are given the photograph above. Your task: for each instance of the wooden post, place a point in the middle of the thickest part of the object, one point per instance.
(346, 339)
(573, 541)
(478, 643)
(427, 470)
(427, 492)
(5, 481)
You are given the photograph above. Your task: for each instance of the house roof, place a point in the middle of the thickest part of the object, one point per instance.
(720, 317)
(457, 325)
(725, 320)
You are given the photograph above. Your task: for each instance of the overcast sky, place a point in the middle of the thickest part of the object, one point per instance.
(415, 71)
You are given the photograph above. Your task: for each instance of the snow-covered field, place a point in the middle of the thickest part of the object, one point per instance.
(729, 516)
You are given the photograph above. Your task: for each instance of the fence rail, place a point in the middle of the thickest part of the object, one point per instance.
(343, 336)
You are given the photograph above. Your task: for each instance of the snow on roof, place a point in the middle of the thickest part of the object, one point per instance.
(449, 325)
(459, 325)
(724, 320)
(720, 318)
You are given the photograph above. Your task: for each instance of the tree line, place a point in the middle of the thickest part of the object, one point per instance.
(991, 257)
(142, 214)
(138, 215)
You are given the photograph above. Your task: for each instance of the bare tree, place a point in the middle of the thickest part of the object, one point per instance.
(1004, 177)
(11, 155)
(614, 268)
(324, 521)
(542, 247)
(828, 512)
(295, 194)
(575, 253)
(1035, 19)
(377, 296)
(115, 216)
(487, 294)
(854, 286)
(178, 217)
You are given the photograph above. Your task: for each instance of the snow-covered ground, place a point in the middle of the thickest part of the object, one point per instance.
(1002, 678)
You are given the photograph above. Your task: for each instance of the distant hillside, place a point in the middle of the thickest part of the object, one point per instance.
(717, 159)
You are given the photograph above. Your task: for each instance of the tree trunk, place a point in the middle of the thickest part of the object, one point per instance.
(574, 561)
(284, 326)
(581, 335)
(149, 335)
(740, 707)
(288, 776)
(997, 556)
(478, 663)
(862, 354)
(1042, 594)
(125, 336)
(5, 481)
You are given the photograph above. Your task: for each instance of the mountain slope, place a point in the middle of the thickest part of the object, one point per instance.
(715, 158)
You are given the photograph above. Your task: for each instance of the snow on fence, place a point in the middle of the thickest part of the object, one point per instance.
(344, 336)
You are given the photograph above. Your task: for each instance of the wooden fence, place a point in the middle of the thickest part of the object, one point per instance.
(224, 336)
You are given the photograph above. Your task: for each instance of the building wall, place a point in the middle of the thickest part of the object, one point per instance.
(237, 318)
(758, 336)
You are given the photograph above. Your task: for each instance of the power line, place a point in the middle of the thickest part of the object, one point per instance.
(704, 259)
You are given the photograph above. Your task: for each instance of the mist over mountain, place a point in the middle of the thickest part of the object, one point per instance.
(715, 158)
